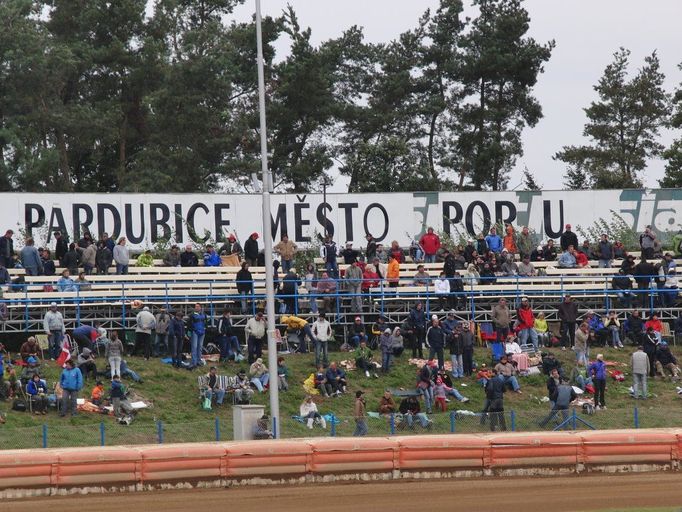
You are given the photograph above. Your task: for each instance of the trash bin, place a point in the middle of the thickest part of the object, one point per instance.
(244, 418)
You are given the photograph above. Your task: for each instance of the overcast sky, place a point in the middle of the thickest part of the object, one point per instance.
(587, 33)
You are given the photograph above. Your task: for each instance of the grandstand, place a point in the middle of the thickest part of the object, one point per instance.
(109, 297)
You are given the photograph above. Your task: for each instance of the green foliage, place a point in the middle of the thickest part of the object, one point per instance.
(616, 228)
(673, 154)
(623, 127)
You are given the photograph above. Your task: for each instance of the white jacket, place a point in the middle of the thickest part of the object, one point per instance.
(145, 322)
(255, 328)
(322, 329)
(307, 408)
(53, 321)
(441, 286)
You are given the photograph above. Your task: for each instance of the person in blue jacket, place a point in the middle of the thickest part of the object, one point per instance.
(71, 381)
(597, 371)
(37, 392)
(211, 257)
(494, 241)
(197, 326)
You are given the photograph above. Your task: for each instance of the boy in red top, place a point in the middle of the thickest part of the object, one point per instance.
(97, 393)
(526, 321)
(430, 243)
(655, 323)
(581, 259)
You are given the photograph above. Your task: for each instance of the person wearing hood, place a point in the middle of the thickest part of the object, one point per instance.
(251, 250)
(665, 360)
(386, 346)
(211, 257)
(86, 363)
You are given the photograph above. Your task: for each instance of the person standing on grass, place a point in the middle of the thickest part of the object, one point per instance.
(145, 324)
(386, 346)
(568, 314)
(162, 320)
(639, 365)
(255, 334)
(71, 381)
(501, 319)
(581, 344)
(197, 324)
(322, 333)
(597, 371)
(360, 414)
(114, 354)
(176, 338)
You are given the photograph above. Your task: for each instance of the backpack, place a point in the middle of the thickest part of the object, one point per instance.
(19, 405)
(206, 404)
(588, 409)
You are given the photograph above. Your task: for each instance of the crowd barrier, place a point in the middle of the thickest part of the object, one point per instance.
(123, 468)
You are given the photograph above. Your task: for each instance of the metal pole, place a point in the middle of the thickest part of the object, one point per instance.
(267, 227)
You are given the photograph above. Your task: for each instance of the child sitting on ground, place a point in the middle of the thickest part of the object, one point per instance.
(483, 375)
(97, 393)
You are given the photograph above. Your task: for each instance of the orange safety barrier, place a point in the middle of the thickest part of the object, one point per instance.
(462, 451)
(533, 450)
(142, 466)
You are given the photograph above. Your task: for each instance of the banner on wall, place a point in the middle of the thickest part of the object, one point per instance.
(144, 219)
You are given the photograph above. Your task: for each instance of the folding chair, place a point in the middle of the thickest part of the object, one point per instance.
(43, 343)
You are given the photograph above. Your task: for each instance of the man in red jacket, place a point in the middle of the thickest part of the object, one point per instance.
(526, 320)
(430, 242)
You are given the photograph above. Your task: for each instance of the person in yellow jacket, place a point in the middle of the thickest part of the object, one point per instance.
(298, 325)
(393, 272)
(540, 326)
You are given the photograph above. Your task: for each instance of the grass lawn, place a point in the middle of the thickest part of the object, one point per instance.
(174, 395)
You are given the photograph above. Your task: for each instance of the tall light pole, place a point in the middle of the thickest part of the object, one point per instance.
(267, 233)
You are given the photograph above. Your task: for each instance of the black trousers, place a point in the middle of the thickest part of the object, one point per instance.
(599, 389)
(567, 334)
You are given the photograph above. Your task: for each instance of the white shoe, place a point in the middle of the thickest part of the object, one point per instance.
(366, 374)
(464, 400)
(310, 423)
(323, 422)
(447, 400)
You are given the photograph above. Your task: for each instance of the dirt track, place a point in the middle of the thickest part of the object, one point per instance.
(569, 493)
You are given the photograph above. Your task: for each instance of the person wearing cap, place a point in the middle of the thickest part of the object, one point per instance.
(231, 246)
(254, 331)
(526, 322)
(251, 250)
(322, 333)
(537, 254)
(349, 254)
(665, 360)
(144, 325)
(86, 363)
(97, 393)
(597, 370)
(360, 415)
(242, 388)
(568, 238)
(435, 339)
(29, 348)
(260, 376)
(364, 360)
(330, 253)
(358, 332)
(287, 252)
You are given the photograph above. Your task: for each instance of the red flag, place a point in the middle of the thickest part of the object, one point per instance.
(65, 354)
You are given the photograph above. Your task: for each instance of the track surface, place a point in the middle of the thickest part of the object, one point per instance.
(558, 494)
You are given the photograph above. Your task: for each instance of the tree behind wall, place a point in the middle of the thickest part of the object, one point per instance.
(623, 127)
(673, 154)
